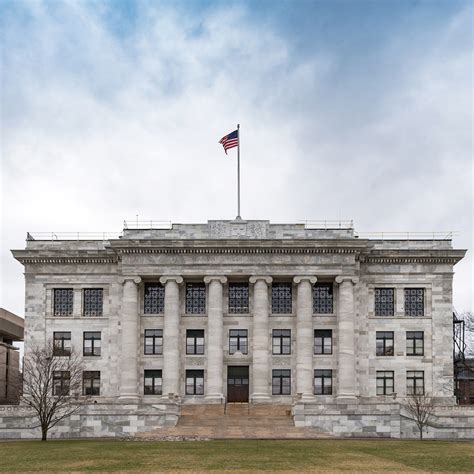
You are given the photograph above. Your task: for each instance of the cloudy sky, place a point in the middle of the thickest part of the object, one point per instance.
(349, 109)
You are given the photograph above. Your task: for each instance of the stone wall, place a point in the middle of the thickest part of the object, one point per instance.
(90, 421)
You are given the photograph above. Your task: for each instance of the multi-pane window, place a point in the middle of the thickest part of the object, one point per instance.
(415, 343)
(238, 341)
(323, 382)
(385, 383)
(195, 341)
(153, 382)
(414, 301)
(384, 343)
(282, 298)
(281, 382)
(61, 382)
(63, 301)
(195, 298)
(153, 341)
(238, 298)
(323, 341)
(62, 344)
(92, 343)
(415, 382)
(93, 301)
(323, 298)
(384, 301)
(194, 382)
(91, 382)
(281, 341)
(154, 298)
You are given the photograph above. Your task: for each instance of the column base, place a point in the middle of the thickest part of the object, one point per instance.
(260, 398)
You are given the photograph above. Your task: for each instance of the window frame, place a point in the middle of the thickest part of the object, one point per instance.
(151, 301)
(195, 294)
(414, 350)
(87, 312)
(283, 377)
(62, 351)
(280, 338)
(385, 378)
(95, 390)
(239, 338)
(325, 375)
(197, 389)
(154, 375)
(329, 297)
(324, 338)
(235, 308)
(157, 348)
(64, 379)
(69, 304)
(414, 376)
(279, 304)
(194, 347)
(410, 307)
(380, 305)
(384, 336)
(95, 349)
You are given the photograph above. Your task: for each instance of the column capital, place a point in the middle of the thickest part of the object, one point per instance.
(352, 279)
(133, 278)
(311, 278)
(176, 278)
(220, 278)
(254, 278)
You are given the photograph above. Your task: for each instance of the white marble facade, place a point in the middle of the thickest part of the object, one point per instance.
(260, 255)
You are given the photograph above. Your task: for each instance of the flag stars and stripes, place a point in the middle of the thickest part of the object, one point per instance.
(230, 141)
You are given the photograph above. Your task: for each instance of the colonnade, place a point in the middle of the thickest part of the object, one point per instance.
(261, 344)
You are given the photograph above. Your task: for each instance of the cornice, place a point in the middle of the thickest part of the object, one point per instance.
(235, 250)
(29, 260)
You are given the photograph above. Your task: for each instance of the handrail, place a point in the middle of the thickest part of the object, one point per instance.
(31, 236)
(147, 224)
(329, 224)
(438, 235)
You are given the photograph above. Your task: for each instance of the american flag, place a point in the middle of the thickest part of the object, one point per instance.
(230, 141)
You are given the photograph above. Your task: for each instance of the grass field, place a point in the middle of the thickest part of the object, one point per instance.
(238, 456)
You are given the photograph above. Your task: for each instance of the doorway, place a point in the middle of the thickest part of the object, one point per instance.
(238, 383)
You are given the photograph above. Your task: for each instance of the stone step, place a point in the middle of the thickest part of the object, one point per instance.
(188, 420)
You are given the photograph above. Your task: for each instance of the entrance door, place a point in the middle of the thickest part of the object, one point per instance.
(238, 383)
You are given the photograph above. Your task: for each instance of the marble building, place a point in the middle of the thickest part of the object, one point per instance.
(316, 317)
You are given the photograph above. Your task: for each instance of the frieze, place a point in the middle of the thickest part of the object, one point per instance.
(67, 260)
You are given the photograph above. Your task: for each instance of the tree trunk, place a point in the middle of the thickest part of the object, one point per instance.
(44, 433)
(421, 433)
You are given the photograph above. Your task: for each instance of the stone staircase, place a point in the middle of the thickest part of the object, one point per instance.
(234, 421)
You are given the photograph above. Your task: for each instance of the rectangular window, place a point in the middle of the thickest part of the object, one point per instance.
(385, 383)
(91, 382)
(153, 382)
(93, 301)
(154, 298)
(195, 341)
(92, 343)
(282, 300)
(323, 382)
(414, 301)
(384, 301)
(61, 381)
(323, 341)
(415, 343)
(384, 343)
(238, 341)
(153, 341)
(281, 382)
(63, 301)
(415, 382)
(62, 344)
(323, 298)
(281, 341)
(195, 298)
(238, 298)
(194, 382)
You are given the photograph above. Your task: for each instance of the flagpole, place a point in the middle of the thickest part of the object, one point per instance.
(238, 173)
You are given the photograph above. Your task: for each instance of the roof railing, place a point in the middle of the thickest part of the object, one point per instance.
(52, 236)
(148, 224)
(329, 224)
(440, 235)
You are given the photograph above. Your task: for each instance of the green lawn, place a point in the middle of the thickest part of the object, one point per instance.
(238, 456)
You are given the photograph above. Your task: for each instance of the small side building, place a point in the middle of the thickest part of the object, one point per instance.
(465, 382)
(11, 329)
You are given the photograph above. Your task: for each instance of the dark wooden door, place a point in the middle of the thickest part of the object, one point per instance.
(237, 384)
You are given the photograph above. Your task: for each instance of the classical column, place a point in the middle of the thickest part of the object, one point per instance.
(346, 343)
(130, 334)
(171, 342)
(304, 336)
(261, 339)
(214, 338)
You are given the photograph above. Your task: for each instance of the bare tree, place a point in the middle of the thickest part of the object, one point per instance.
(468, 318)
(52, 378)
(420, 408)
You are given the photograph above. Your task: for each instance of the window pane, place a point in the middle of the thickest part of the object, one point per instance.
(154, 298)
(282, 298)
(238, 298)
(93, 301)
(63, 301)
(414, 301)
(323, 298)
(195, 298)
(384, 301)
